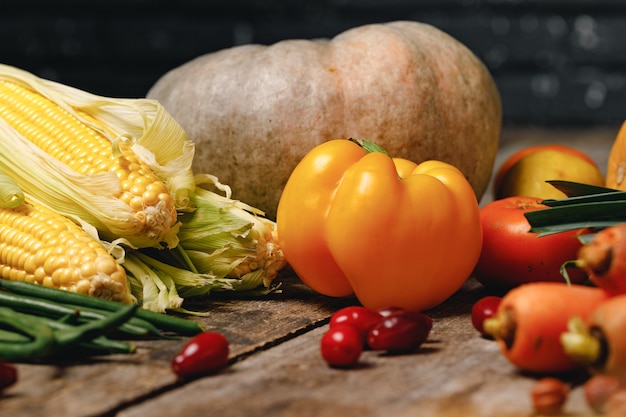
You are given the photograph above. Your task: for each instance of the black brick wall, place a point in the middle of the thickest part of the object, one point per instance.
(556, 62)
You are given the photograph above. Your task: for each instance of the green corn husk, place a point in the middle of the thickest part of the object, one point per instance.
(228, 237)
(224, 245)
(142, 125)
(217, 243)
(11, 195)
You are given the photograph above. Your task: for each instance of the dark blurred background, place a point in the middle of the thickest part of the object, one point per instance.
(556, 62)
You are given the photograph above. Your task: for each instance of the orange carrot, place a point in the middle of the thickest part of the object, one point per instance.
(531, 318)
(604, 259)
(599, 341)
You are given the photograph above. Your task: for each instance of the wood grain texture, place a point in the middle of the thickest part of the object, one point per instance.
(456, 373)
(277, 370)
(79, 387)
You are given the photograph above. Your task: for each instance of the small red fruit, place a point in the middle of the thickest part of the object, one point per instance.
(598, 390)
(389, 311)
(341, 346)
(205, 353)
(401, 331)
(483, 309)
(549, 395)
(8, 375)
(362, 318)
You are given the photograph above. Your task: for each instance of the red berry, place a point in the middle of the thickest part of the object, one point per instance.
(598, 390)
(401, 331)
(483, 309)
(205, 353)
(341, 346)
(388, 311)
(362, 318)
(8, 375)
(415, 315)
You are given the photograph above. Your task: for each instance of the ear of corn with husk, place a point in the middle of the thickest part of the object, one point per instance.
(11, 195)
(40, 246)
(121, 169)
(122, 165)
(225, 245)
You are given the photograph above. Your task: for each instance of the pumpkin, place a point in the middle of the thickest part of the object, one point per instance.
(254, 111)
(616, 164)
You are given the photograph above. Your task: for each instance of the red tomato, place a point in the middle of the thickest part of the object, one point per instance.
(511, 255)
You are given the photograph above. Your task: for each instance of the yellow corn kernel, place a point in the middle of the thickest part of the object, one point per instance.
(87, 151)
(41, 246)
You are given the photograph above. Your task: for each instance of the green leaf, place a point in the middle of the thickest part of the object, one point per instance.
(591, 198)
(575, 216)
(573, 189)
(587, 206)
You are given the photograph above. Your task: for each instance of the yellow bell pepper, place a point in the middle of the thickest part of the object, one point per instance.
(352, 220)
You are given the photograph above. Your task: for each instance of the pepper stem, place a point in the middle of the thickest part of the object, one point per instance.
(368, 146)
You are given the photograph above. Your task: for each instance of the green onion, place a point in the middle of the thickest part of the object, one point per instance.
(13, 336)
(92, 329)
(41, 337)
(586, 206)
(100, 343)
(36, 306)
(44, 340)
(574, 189)
(164, 322)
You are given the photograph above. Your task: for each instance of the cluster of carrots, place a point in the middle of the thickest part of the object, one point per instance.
(554, 328)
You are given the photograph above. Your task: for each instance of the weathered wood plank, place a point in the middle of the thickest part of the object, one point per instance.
(456, 373)
(77, 387)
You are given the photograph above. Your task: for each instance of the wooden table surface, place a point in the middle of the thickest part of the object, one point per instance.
(276, 367)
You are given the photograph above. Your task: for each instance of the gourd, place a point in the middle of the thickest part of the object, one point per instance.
(616, 164)
(254, 111)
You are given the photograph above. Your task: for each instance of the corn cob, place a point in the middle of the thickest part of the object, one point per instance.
(225, 245)
(110, 163)
(11, 195)
(123, 167)
(241, 245)
(87, 152)
(40, 246)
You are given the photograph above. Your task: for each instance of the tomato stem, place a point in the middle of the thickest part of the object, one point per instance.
(565, 266)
